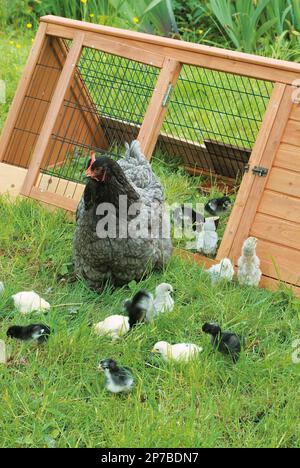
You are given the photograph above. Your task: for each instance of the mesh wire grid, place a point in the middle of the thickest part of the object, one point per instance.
(213, 120)
(105, 109)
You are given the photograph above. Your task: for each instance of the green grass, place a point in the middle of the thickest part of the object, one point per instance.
(53, 395)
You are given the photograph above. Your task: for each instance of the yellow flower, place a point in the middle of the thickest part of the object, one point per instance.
(18, 46)
(83, 1)
(200, 31)
(29, 26)
(11, 42)
(136, 20)
(92, 15)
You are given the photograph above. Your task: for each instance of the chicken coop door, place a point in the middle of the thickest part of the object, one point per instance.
(219, 113)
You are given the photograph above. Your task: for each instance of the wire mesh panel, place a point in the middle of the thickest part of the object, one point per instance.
(104, 109)
(213, 120)
(36, 103)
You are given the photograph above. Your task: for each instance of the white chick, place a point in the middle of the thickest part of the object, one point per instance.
(3, 355)
(29, 301)
(182, 352)
(114, 326)
(1, 287)
(163, 301)
(249, 273)
(222, 271)
(207, 239)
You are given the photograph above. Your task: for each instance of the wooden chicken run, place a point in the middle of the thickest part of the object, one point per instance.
(221, 113)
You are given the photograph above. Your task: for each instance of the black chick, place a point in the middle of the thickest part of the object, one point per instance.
(225, 342)
(37, 332)
(139, 308)
(117, 379)
(196, 219)
(218, 206)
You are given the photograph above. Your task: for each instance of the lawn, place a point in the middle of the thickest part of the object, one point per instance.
(52, 396)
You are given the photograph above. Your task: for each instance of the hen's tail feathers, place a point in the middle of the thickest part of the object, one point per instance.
(134, 151)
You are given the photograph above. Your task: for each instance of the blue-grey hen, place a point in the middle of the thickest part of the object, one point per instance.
(120, 244)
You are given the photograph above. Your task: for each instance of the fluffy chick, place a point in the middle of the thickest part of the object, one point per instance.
(37, 332)
(226, 342)
(182, 352)
(163, 301)
(218, 206)
(222, 271)
(249, 273)
(114, 326)
(3, 353)
(207, 239)
(29, 301)
(117, 379)
(139, 309)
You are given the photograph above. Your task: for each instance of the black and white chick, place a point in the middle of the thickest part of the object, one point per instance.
(226, 342)
(218, 206)
(36, 332)
(117, 379)
(139, 308)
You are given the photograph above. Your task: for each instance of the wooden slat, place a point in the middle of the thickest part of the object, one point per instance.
(11, 179)
(197, 54)
(155, 113)
(62, 187)
(279, 262)
(280, 206)
(123, 50)
(296, 112)
(292, 133)
(54, 109)
(22, 89)
(252, 187)
(284, 181)
(276, 230)
(288, 157)
(266, 281)
(54, 199)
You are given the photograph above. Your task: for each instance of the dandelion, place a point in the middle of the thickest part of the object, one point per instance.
(29, 26)
(136, 20)
(83, 1)
(92, 15)
(18, 46)
(200, 31)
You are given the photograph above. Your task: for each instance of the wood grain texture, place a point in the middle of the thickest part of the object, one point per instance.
(155, 113)
(210, 57)
(54, 199)
(292, 133)
(280, 205)
(295, 115)
(53, 112)
(288, 157)
(277, 231)
(22, 89)
(284, 181)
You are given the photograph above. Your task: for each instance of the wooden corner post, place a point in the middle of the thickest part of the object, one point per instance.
(62, 87)
(22, 88)
(158, 106)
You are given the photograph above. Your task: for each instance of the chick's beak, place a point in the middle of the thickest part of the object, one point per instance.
(154, 351)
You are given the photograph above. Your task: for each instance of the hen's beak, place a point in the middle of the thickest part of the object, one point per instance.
(89, 172)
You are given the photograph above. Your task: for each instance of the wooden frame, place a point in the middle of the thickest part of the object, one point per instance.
(260, 208)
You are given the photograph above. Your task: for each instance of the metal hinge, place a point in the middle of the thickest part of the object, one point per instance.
(167, 95)
(257, 170)
(260, 171)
